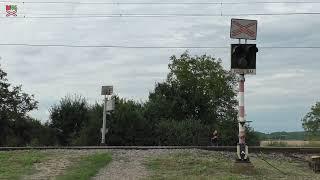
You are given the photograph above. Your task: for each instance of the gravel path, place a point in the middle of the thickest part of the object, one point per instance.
(129, 164)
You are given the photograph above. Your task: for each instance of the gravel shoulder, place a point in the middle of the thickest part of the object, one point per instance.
(125, 164)
(128, 165)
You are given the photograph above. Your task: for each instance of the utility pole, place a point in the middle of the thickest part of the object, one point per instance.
(104, 117)
(108, 105)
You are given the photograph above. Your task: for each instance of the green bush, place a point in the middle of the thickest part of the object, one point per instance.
(67, 118)
(128, 126)
(90, 134)
(182, 133)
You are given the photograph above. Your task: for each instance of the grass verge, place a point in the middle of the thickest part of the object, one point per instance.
(215, 165)
(86, 167)
(15, 164)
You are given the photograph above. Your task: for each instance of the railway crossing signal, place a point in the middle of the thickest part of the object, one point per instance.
(243, 61)
(243, 58)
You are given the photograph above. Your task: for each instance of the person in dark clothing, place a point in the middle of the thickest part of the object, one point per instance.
(214, 139)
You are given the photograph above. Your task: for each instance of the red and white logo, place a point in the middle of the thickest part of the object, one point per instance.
(11, 10)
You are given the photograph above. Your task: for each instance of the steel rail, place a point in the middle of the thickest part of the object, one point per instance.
(209, 148)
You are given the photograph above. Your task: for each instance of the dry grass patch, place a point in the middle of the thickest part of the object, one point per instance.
(219, 165)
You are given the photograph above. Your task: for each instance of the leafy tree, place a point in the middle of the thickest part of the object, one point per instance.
(68, 117)
(182, 133)
(30, 132)
(14, 106)
(127, 124)
(197, 88)
(90, 134)
(77, 123)
(311, 121)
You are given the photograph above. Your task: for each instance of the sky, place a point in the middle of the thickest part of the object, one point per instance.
(277, 97)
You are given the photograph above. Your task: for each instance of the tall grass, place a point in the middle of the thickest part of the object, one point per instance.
(15, 164)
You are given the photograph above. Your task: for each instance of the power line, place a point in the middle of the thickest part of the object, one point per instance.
(150, 47)
(115, 46)
(165, 3)
(127, 15)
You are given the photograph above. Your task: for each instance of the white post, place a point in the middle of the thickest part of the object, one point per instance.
(103, 130)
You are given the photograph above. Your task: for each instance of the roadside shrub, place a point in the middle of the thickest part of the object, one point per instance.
(182, 133)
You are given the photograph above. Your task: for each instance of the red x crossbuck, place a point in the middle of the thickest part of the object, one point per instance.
(243, 29)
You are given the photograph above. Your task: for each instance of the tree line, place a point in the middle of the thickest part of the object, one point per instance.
(197, 97)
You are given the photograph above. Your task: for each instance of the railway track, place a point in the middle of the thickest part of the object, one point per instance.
(209, 148)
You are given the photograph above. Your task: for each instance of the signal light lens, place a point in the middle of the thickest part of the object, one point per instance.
(243, 56)
(243, 62)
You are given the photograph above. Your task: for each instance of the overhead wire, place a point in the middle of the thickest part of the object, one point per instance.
(163, 3)
(129, 15)
(157, 15)
(149, 47)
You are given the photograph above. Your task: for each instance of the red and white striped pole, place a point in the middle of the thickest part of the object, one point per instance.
(242, 148)
(242, 120)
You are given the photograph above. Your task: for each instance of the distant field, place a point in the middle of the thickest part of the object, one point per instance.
(290, 143)
(298, 135)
